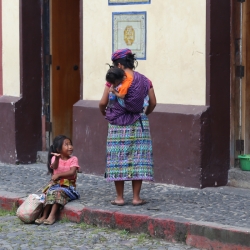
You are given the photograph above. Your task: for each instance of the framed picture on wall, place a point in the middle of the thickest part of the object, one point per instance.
(119, 2)
(129, 30)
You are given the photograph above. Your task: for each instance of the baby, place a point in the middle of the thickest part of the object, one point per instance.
(120, 82)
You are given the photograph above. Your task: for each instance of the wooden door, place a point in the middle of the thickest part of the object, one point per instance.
(65, 50)
(245, 79)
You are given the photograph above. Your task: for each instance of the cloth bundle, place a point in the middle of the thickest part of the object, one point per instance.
(31, 208)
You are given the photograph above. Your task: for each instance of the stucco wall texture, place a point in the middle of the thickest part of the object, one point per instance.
(176, 48)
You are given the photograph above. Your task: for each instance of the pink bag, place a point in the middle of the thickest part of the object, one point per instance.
(30, 210)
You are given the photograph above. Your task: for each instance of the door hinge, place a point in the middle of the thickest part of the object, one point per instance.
(48, 59)
(48, 126)
(240, 71)
(240, 145)
(241, 1)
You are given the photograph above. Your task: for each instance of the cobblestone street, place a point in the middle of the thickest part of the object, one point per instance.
(65, 235)
(224, 205)
(177, 214)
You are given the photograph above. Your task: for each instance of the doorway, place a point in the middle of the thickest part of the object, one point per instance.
(240, 77)
(246, 77)
(64, 75)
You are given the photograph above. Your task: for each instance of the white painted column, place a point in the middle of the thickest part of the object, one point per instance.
(11, 47)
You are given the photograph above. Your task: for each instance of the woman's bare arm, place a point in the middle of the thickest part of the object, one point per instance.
(104, 101)
(152, 101)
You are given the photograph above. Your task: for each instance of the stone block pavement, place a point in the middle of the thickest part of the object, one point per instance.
(210, 218)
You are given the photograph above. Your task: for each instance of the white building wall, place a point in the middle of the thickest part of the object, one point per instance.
(175, 48)
(11, 50)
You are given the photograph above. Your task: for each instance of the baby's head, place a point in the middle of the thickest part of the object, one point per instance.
(115, 75)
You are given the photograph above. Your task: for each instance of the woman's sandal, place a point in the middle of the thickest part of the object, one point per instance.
(117, 204)
(47, 222)
(140, 203)
(39, 221)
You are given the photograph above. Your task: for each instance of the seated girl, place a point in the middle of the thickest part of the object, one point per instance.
(62, 187)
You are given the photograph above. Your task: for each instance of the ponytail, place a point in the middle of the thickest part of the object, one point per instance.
(51, 150)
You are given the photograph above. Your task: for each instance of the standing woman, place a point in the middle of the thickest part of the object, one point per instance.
(129, 145)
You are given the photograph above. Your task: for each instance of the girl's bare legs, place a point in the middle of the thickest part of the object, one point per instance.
(119, 185)
(46, 212)
(136, 185)
(53, 213)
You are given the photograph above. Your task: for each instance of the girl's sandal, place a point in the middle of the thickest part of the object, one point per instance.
(39, 221)
(47, 222)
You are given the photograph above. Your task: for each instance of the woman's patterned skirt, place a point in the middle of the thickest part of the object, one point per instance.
(129, 152)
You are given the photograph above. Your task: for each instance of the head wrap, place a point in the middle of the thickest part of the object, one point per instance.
(120, 53)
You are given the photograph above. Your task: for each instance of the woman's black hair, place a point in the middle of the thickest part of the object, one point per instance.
(114, 74)
(55, 148)
(128, 62)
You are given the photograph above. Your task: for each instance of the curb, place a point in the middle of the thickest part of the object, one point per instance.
(193, 233)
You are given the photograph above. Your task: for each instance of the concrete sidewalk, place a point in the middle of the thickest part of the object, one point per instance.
(211, 218)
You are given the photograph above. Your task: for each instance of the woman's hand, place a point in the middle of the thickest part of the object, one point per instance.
(104, 101)
(152, 102)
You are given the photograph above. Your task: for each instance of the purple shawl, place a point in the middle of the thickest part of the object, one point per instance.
(122, 116)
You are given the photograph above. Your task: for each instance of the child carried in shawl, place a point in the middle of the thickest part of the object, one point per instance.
(62, 187)
(120, 82)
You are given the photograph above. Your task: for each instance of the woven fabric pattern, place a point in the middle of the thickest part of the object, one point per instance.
(120, 53)
(134, 100)
(60, 195)
(129, 152)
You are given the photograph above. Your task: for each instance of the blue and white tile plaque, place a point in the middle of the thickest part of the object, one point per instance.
(129, 31)
(120, 2)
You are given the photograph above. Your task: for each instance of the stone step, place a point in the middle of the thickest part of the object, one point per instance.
(238, 178)
(42, 157)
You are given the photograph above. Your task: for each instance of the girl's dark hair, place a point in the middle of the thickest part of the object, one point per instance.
(128, 62)
(114, 74)
(55, 148)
